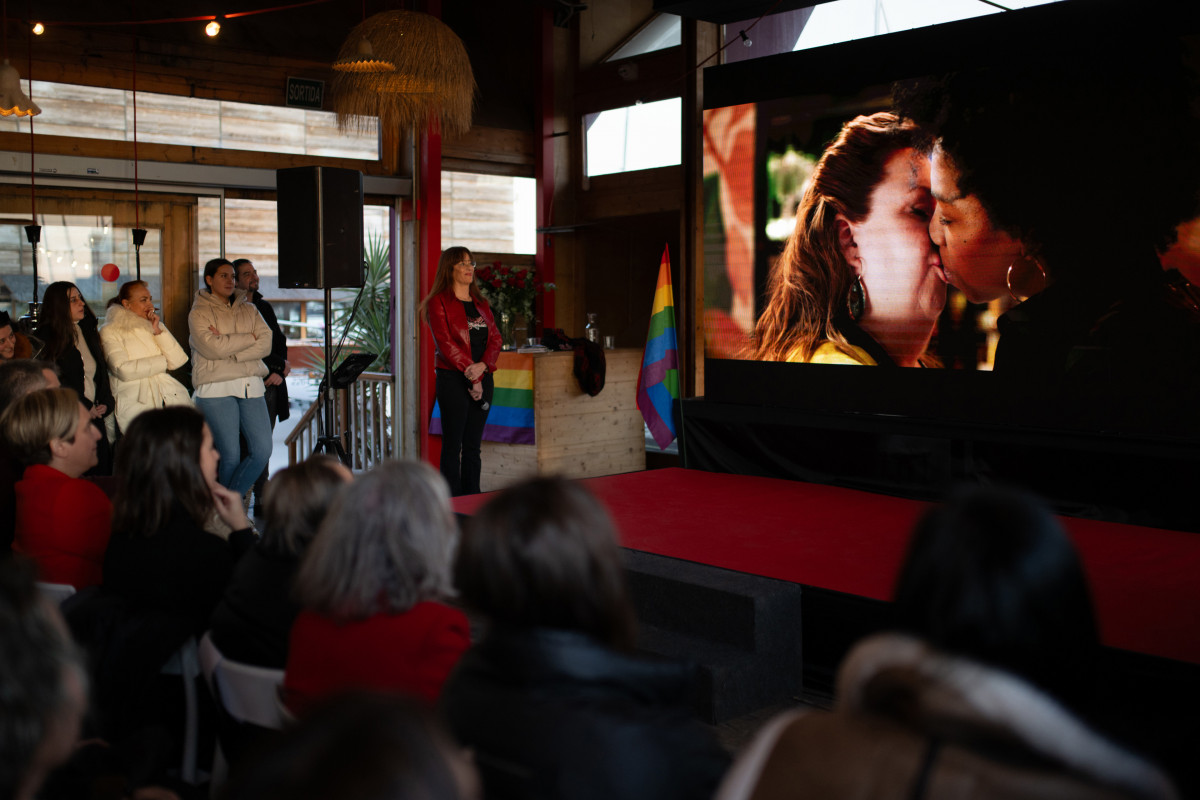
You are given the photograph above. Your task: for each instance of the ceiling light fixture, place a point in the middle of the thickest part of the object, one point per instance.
(213, 27)
(364, 60)
(432, 82)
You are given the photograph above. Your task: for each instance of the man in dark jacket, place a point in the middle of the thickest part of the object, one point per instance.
(277, 364)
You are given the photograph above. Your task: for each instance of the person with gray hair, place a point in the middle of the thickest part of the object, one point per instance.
(373, 585)
(43, 685)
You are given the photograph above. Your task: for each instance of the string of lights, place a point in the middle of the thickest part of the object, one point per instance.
(212, 28)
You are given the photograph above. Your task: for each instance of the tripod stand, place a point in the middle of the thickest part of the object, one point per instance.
(341, 378)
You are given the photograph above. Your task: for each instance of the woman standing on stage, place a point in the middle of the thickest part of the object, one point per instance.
(467, 343)
(229, 340)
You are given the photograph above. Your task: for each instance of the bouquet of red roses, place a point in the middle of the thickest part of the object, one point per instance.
(511, 289)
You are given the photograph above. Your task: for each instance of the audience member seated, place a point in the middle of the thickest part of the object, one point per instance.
(167, 551)
(253, 620)
(972, 698)
(373, 585)
(13, 343)
(17, 377)
(62, 521)
(360, 747)
(553, 702)
(43, 686)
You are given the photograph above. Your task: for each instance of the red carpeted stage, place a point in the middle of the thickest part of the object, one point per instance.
(1144, 580)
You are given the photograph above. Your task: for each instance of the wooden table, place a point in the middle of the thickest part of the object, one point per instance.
(575, 435)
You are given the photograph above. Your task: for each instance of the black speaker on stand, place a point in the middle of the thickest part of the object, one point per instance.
(321, 247)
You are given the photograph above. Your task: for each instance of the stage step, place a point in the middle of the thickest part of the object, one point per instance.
(743, 631)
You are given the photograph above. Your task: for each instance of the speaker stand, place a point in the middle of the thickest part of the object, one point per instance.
(327, 442)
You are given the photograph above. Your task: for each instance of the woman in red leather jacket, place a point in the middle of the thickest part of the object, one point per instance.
(467, 343)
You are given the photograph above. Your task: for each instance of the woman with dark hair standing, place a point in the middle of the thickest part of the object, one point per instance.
(229, 341)
(67, 329)
(553, 701)
(171, 548)
(859, 281)
(467, 344)
(978, 691)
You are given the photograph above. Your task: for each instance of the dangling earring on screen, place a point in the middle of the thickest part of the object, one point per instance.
(1016, 265)
(856, 299)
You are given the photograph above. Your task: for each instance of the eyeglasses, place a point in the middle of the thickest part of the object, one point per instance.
(470, 264)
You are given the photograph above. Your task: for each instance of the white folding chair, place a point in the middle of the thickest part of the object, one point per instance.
(245, 692)
(185, 663)
(55, 592)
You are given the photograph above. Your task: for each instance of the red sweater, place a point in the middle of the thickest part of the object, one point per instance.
(63, 524)
(412, 652)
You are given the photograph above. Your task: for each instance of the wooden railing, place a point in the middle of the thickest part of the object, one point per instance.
(362, 416)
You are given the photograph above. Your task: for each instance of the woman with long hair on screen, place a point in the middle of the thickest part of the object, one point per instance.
(859, 281)
(467, 344)
(67, 329)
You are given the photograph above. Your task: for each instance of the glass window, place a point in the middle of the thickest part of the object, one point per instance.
(844, 20)
(75, 248)
(489, 213)
(643, 136)
(94, 112)
(659, 33)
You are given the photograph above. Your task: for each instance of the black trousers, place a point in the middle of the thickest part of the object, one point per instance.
(462, 430)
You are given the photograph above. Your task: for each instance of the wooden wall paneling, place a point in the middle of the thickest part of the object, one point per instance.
(645, 191)
(621, 272)
(491, 145)
(181, 265)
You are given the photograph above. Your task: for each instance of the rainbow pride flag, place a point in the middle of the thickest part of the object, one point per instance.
(511, 416)
(658, 380)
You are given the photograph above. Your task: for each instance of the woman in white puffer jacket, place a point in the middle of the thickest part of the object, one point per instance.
(139, 351)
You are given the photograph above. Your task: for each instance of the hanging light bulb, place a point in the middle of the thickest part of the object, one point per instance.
(38, 29)
(212, 28)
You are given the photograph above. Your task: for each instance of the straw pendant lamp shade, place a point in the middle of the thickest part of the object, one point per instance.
(432, 82)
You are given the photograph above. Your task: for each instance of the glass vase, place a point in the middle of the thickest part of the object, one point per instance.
(504, 321)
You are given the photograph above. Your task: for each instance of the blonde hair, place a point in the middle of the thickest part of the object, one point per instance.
(385, 545)
(35, 420)
(295, 502)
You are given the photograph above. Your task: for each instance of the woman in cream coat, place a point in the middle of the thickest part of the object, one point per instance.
(229, 340)
(139, 351)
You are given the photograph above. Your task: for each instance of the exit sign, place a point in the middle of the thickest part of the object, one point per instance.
(305, 93)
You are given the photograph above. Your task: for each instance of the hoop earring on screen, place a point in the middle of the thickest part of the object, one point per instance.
(856, 299)
(1008, 276)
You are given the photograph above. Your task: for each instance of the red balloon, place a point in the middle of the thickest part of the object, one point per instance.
(110, 272)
